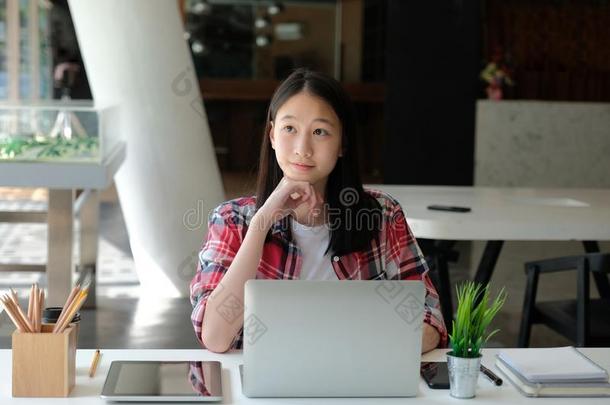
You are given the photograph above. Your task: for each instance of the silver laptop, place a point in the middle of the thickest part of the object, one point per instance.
(332, 338)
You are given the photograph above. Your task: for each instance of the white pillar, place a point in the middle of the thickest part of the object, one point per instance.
(13, 34)
(136, 57)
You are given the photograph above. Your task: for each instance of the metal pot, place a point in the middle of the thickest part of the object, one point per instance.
(463, 375)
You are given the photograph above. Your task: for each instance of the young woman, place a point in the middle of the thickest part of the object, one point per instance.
(310, 217)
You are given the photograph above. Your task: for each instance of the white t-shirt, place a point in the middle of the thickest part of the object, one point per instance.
(312, 241)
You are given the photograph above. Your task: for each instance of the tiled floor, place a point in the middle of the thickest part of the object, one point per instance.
(129, 323)
(26, 244)
(124, 320)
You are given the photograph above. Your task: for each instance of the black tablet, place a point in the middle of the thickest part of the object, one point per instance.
(167, 381)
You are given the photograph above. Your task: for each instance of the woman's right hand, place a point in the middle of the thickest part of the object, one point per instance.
(288, 196)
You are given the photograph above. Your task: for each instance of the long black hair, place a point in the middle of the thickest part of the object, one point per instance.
(354, 215)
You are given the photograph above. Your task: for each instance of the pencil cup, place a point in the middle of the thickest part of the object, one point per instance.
(44, 363)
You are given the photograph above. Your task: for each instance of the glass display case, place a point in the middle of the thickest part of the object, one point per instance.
(55, 131)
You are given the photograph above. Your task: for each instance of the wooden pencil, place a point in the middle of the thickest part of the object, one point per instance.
(15, 299)
(94, 363)
(22, 316)
(14, 295)
(76, 290)
(40, 309)
(9, 311)
(31, 303)
(35, 312)
(69, 316)
(7, 303)
(37, 308)
(74, 307)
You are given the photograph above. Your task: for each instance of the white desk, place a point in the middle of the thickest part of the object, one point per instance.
(62, 179)
(499, 214)
(87, 389)
(505, 213)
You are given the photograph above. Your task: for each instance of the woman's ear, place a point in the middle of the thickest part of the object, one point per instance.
(271, 138)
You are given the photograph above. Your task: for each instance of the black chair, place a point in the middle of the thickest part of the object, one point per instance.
(585, 321)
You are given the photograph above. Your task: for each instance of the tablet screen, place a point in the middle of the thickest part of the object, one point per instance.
(164, 380)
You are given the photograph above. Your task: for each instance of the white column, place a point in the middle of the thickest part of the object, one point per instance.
(34, 49)
(137, 58)
(12, 48)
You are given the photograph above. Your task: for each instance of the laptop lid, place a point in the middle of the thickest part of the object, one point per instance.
(332, 338)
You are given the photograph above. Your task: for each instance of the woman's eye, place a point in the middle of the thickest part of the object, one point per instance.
(289, 128)
(320, 131)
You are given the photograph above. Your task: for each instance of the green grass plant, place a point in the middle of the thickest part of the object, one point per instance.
(473, 317)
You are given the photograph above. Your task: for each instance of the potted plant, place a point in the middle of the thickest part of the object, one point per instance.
(498, 75)
(473, 316)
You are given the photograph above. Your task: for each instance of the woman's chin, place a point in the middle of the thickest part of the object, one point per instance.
(299, 176)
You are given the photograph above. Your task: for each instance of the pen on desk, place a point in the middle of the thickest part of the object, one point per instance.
(491, 375)
(94, 363)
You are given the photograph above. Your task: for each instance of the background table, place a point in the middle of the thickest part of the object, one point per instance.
(63, 179)
(87, 389)
(500, 214)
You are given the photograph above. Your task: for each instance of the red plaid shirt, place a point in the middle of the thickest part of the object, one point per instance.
(393, 256)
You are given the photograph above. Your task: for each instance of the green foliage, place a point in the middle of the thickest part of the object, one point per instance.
(14, 147)
(49, 148)
(474, 314)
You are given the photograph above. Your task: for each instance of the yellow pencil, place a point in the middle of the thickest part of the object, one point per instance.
(94, 363)
(74, 307)
(76, 290)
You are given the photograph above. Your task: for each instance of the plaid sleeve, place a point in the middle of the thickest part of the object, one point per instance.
(405, 261)
(221, 245)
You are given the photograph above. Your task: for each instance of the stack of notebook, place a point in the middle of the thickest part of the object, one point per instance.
(553, 372)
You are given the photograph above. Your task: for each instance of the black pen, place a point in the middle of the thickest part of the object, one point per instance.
(491, 375)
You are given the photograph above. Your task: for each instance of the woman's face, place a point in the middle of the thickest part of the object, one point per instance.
(306, 137)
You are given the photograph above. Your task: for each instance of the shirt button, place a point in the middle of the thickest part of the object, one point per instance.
(336, 258)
